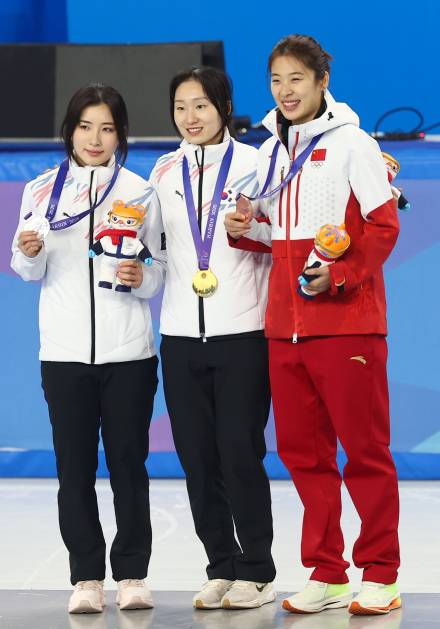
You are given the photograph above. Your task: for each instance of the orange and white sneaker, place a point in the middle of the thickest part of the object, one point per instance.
(375, 599)
(88, 598)
(133, 594)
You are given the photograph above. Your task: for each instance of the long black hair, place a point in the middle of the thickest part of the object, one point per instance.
(217, 87)
(95, 94)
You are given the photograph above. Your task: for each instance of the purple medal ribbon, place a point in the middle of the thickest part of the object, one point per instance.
(56, 195)
(296, 165)
(203, 247)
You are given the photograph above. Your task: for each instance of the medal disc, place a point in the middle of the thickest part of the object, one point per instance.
(204, 283)
(244, 206)
(38, 224)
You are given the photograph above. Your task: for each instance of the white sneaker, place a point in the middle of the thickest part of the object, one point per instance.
(376, 598)
(87, 598)
(248, 594)
(318, 596)
(211, 594)
(133, 594)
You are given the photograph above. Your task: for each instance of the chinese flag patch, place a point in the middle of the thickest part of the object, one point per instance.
(318, 155)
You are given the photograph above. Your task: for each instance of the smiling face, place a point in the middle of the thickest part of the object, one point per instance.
(295, 90)
(95, 139)
(195, 116)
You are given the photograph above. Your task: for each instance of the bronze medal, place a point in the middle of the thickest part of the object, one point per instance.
(204, 283)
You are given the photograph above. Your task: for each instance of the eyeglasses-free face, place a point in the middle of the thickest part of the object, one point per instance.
(295, 89)
(95, 139)
(196, 117)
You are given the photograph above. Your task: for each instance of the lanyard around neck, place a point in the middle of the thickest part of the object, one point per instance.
(204, 246)
(56, 195)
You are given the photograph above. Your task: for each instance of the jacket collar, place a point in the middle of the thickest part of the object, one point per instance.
(102, 174)
(335, 115)
(213, 153)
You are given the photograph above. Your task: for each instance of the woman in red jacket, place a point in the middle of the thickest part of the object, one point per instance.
(328, 353)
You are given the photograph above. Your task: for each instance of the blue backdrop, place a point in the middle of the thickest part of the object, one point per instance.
(385, 54)
(414, 339)
(33, 21)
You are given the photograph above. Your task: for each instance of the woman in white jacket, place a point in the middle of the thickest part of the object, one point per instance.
(212, 338)
(97, 352)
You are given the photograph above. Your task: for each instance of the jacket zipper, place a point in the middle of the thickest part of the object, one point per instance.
(200, 165)
(91, 274)
(280, 204)
(289, 258)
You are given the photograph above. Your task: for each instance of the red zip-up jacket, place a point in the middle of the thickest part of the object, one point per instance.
(343, 181)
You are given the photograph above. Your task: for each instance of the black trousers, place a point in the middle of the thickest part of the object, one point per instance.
(118, 398)
(218, 398)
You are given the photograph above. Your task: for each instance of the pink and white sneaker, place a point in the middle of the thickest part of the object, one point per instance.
(87, 598)
(134, 594)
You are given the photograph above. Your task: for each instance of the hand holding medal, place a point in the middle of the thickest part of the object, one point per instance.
(31, 239)
(244, 206)
(238, 223)
(38, 224)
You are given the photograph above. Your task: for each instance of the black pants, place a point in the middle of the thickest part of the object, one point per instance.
(118, 398)
(218, 398)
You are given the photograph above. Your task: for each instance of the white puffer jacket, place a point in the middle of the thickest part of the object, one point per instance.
(239, 303)
(79, 323)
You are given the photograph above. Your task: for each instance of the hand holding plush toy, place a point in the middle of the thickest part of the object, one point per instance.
(120, 242)
(330, 244)
(393, 168)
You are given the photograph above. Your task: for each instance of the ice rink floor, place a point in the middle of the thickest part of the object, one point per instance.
(34, 578)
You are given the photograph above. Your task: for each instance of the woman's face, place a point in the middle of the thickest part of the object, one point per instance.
(295, 89)
(95, 138)
(196, 117)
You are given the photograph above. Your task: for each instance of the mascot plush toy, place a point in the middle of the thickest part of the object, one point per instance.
(120, 242)
(393, 168)
(331, 242)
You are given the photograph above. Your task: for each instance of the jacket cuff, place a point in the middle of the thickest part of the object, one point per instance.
(147, 289)
(246, 244)
(257, 239)
(30, 268)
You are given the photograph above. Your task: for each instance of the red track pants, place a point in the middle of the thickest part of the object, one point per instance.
(324, 388)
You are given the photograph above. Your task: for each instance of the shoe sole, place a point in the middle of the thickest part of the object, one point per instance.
(84, 607)
(226, 604)
(357, 610)
(332, 605)
(136, 603)
(199, 604)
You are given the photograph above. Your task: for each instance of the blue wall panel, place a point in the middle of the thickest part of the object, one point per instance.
(33, 21)
(384, 56)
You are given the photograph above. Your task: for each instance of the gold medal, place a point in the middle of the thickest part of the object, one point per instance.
(204, 283)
